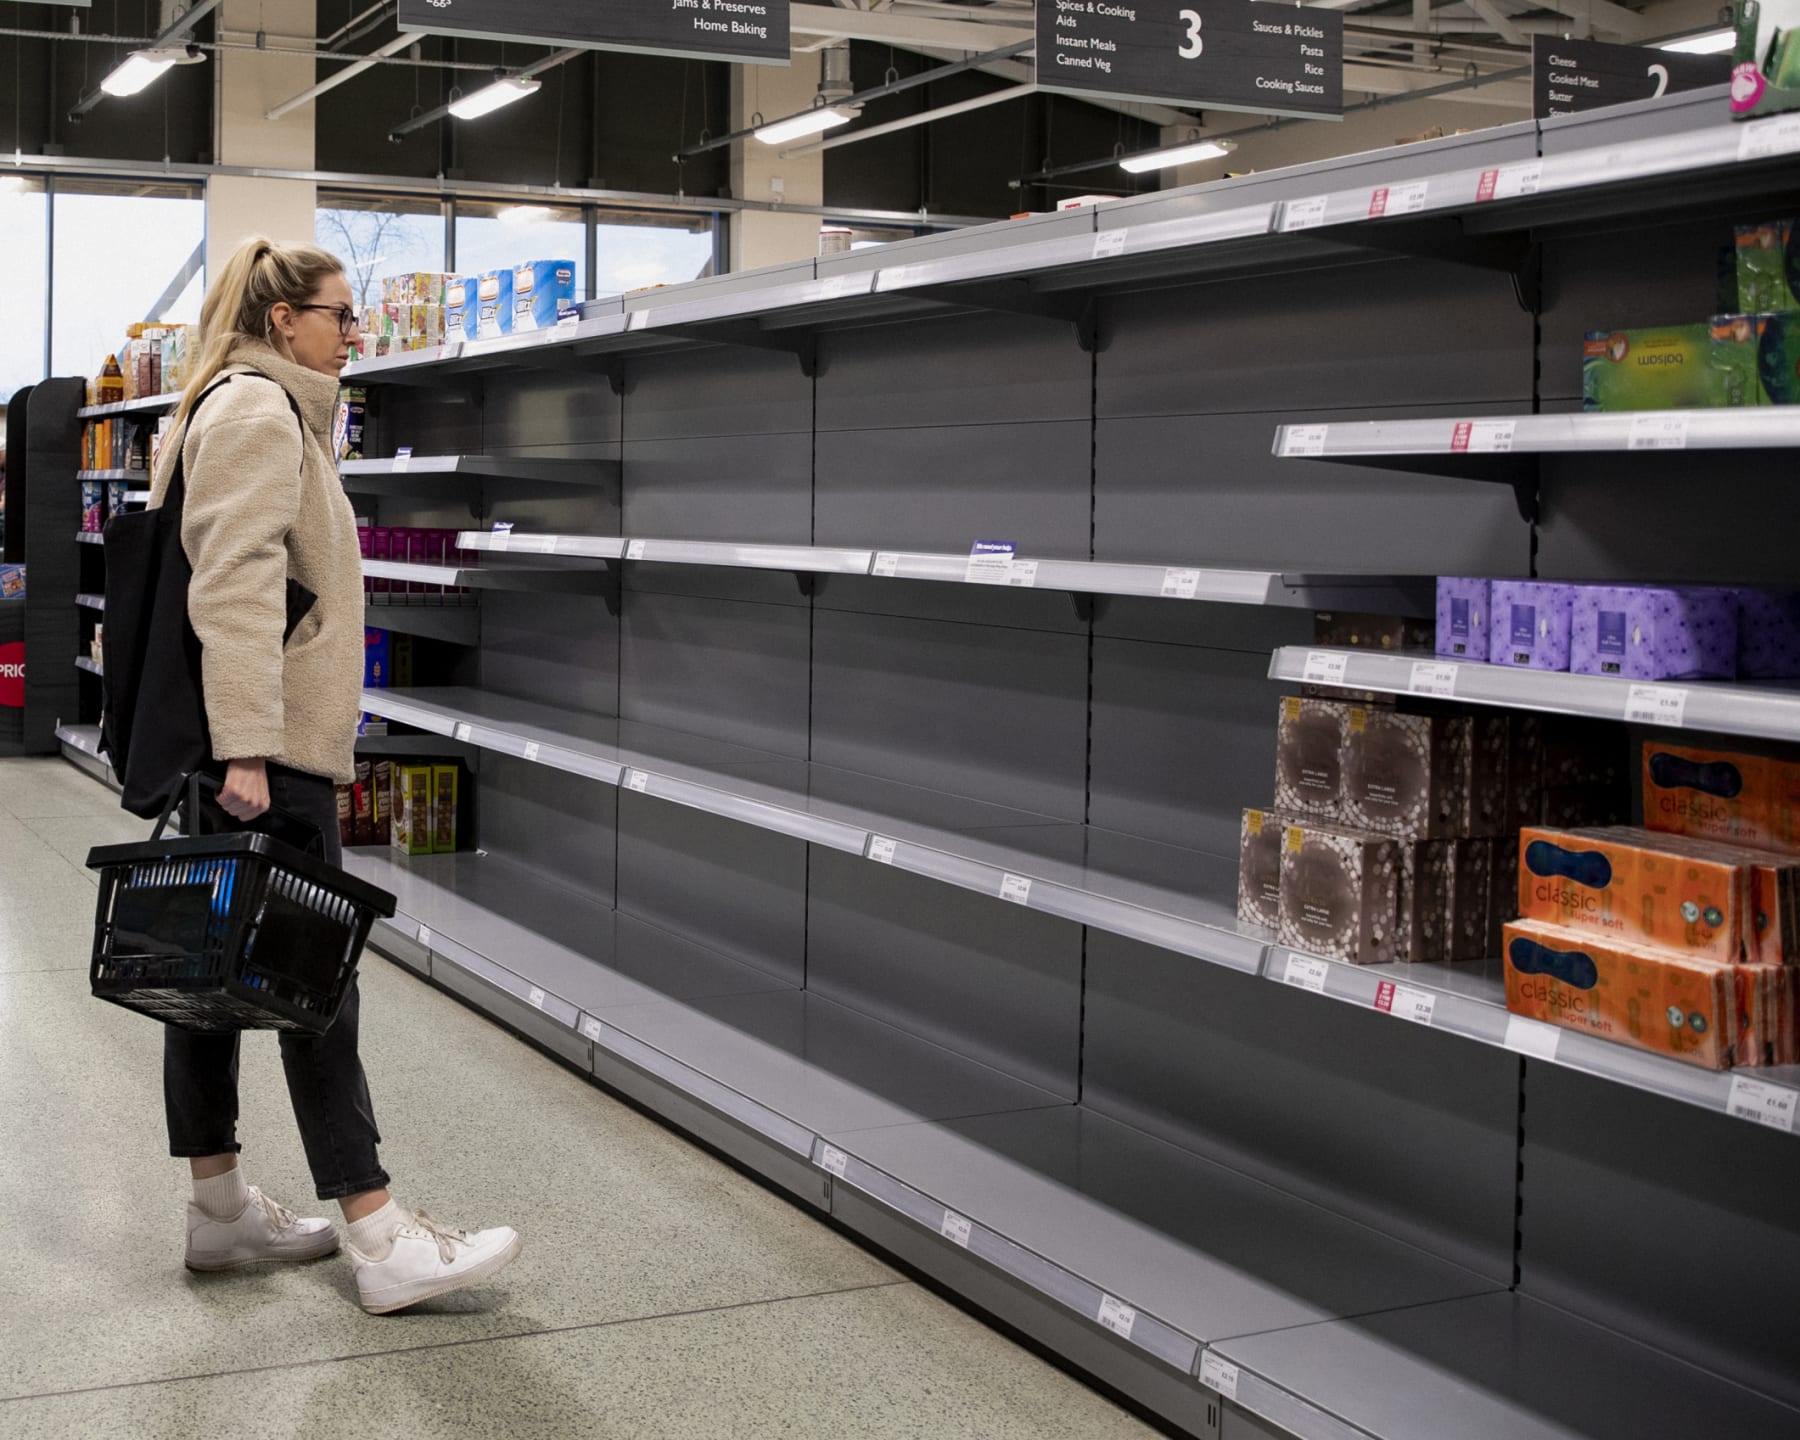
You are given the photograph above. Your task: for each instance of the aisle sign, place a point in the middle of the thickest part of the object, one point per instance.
(1267, 58)
(753, 32)
(1569, 76)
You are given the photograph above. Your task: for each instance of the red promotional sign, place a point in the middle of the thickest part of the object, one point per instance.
(12, 675)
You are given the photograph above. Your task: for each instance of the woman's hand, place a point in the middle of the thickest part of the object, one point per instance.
(245, 794)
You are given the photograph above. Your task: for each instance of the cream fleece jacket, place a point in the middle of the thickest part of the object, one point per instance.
(265, 504)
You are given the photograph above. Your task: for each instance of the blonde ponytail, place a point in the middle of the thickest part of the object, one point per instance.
(259, 276)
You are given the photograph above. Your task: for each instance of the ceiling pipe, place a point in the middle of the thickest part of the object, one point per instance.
(349, 72)
(176, 30)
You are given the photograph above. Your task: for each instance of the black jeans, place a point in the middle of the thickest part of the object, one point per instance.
(325, 1077)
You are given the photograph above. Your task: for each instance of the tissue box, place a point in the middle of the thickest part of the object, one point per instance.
(1503, 889)
(1639, 887)
(1309, 757)
(1670, 368)
(1649, 999)
(1359, 631)
(1406, 775)
(1339, 893)
(1724, 795)
(1484, 811)
(1768, 634)
(1462, 618)
(540, 289)
(1643, 632)
(1443, 900)
(1259, 869)
(1529, 625)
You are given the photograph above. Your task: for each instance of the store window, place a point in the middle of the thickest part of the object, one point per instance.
(634, 251)
(381, 235)
(24, 243)
(125, 252)
(496, 237)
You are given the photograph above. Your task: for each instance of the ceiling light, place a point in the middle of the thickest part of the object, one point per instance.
(144, 67)
(807, 122)
(501, 93)
(12, 184)
(524, 214)
(1711, 42)
(1176, 155)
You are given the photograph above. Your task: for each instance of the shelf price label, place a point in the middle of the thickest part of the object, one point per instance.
(1180, 584)
(1109, 244)
(1656, 704)
(638, 780)
(403, 460)
(1483, 437)
(465, 732)
(1406, 199)
(1117, 1316)
(1433, 677)
(881, 849)
(501, 539)
(1658, 430)
(1307, 214)
(1777, 135)
(1405, 1003)
(990, 562)
(1219, 1374)
(1307, 972)
(956, 1229)
(1324, 667)
(1023, 574)
(531, 751)
(1762, 1102)
(1015, 888)
(834, 1161)
(634, 550)
(886, 563)
(424, 938)
(1532, 1037)
(1303, 439)
(536, 997)
(1509, 182)
(592, 1028)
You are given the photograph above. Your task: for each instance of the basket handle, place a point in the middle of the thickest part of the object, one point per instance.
(191, 793)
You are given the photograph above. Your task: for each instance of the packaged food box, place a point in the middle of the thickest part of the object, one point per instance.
(1339, 893)
(93, 507)
(1462, 617)
(1259, 868)
(1359, 631)
(1309, 757)
(1655, 1000)
(541, 288)
(414, 826)
(376, 668)
(443, 806)
(363, 803)
(1726, 795)
(1650, 632)
(1667, 368)
(383, 798)
(1406, 775)
(1529, 624)
(1768, 634)
(1624, 883)
(346, 811)
(493, 305)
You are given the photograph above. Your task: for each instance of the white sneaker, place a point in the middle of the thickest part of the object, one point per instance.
(265, 1230)
(429, 1260)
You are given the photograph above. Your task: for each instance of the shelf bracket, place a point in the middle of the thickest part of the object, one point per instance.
(1443, 238)
(615, 377)
(802, 345)
(1087, 606)
(808, 582)
(1018, 297)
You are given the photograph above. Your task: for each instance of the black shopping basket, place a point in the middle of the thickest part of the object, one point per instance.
(228, 932)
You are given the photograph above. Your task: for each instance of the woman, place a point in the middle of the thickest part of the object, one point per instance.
(264, 505)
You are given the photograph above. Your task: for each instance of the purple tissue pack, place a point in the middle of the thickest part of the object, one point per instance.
(1652, 632)
(1768, 635)
(1530, 624)
(1462, 617)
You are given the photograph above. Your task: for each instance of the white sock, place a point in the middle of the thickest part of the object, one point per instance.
(223, 1197)
(372, 1237)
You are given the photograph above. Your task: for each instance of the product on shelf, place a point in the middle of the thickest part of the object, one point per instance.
(382, 797)
(1758, 273)
(541, 289)
(443, 805)
(1645, 632)
(1309, 757)
(97, 646)
(1765, 72)
(12, 582)
(1778, 358)
(1740, 799)
(491, 313)
(1339, 893)
(1529, 624)
(93, 507)
(1669, 367)
(346, 811)
(1443, 900)
(413, 822)
(1370, 632)
(1669, 1004)
(352, 422)
(111, 387)
(363, 810)
(1406, 775)
(376, 651)
(1462, 617)
(1259, 868)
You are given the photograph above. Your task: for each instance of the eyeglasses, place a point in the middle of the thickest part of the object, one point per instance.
(347, 320)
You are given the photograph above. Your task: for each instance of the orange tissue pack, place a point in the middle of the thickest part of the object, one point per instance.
(1722, 795)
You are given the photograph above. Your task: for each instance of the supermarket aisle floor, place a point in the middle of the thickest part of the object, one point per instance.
(660, 1293)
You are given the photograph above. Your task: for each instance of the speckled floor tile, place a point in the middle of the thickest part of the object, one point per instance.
(72, 836)
(884, 1364)
(51, 787)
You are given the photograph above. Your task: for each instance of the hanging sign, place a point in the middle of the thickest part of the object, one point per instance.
(1269, 58)
(753, 32)
(1569, 76)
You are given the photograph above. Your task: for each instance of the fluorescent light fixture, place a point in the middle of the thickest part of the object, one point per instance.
(12, 184)
(1176, 155)
(807, 122)
(1711, 42)
(142, 68)
(496, 96)
(524, 214)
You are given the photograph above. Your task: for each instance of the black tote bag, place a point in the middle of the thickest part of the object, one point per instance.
(153, 726)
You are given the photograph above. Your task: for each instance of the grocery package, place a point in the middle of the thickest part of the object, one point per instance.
(414, 827)
(1309, 763)
(1371, 632)
(1741, 799)
(1765, 74)
(1259, 868)
(1406, 775)
(1647, 632)
(1339, 893)
(1462, 617)
(1529, 624)
(444, 796)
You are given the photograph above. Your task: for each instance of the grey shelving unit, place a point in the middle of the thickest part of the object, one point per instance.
(916, 897)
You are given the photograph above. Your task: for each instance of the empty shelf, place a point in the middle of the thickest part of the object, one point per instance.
(143, 475)
(1643, 431)
(90, 537)
(84, 738)
(91, 602)
(1768, 710)
(1490, 1367)
(566, 579)
(485, 467)
(459, 624)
